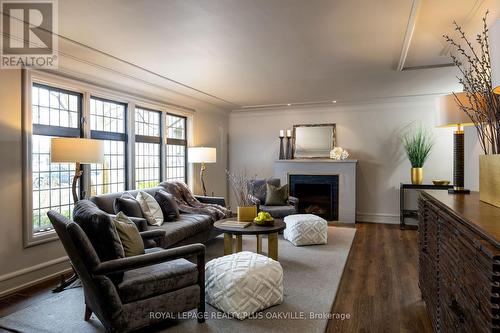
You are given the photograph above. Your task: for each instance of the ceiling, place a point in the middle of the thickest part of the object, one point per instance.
(240, 53)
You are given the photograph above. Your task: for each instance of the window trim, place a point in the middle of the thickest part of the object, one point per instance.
(149, 139)
(113, 136)
(81, 85)
(179, 142)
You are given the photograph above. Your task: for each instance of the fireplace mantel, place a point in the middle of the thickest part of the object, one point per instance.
(346, 169)
(316, 160)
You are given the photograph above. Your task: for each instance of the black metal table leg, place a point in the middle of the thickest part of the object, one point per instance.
(401, 207)
(66, 282)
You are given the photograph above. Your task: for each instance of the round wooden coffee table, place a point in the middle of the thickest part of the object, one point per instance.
(253, 229)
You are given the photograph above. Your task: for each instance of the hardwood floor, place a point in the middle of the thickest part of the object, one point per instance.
(379, 288)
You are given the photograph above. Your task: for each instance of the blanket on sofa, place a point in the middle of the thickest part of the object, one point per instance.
(189, 204)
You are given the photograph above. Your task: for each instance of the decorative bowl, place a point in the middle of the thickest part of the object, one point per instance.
(441, 182)
(263, 223)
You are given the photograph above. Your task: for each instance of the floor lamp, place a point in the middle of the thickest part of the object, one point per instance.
(202, 155)
(451, 115)
(78, 151)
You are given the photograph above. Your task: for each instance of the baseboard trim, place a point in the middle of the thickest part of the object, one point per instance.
(31, 269)
(34, 282)
(377, 218)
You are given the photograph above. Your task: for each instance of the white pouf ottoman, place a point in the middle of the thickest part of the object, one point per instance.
(243, 283)
(305, 229)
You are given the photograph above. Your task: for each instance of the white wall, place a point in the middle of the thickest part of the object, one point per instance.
(369, 131)
(21, 266)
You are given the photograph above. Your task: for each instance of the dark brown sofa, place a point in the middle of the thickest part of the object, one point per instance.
(187, 229)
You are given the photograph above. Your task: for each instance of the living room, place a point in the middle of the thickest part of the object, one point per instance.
(212, 166)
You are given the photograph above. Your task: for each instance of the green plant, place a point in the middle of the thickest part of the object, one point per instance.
(418, 143)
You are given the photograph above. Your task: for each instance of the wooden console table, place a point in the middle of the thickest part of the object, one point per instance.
(403, 213)
(459, 261)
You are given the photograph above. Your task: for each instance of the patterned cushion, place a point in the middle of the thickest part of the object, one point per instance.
(306, 229)
(150, 208)
(243, 283)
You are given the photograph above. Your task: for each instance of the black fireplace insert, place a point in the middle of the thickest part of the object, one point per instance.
(317, 194)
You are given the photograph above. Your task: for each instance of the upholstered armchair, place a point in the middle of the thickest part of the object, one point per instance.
(123, 292)
(258, 191)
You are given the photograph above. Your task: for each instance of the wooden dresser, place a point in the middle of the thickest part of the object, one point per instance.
(459, 261)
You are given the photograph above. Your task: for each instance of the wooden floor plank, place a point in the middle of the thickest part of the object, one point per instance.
(379, 287)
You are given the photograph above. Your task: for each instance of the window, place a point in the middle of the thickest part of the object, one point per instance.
(55, 113)
(176, 148)
(76, 109)
(147, 148)
(107, 123)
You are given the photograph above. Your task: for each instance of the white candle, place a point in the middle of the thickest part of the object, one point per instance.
(282, 133)
(289, 133)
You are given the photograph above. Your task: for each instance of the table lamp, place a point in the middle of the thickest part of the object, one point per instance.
(451, 115)
(202, 155)
(76, 150)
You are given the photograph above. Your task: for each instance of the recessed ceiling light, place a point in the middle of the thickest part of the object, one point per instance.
(289, 104)
(334, 101)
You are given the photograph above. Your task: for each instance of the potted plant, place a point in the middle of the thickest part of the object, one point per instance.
(483, 106)
(238, 182)
(417, 143)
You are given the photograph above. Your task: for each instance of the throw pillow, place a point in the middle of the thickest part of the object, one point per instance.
(99, 229)
(128, 205)
(150, 208)
(257, 187)
(276, 196)
(129, 235)
(168, 205)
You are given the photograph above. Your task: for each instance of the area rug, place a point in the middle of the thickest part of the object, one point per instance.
(311, 278)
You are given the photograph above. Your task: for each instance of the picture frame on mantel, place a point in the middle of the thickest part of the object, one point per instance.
(313, 141)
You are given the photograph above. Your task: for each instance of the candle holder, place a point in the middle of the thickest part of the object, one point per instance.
(282, 151)
(289, 153)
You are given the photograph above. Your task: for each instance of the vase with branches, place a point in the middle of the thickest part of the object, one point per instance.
(482, 105)
(417, 142)
(239, 184)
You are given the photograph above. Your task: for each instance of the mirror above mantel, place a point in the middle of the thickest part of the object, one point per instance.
(313, 141)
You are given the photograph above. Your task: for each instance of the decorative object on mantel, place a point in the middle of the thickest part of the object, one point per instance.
(282, 151)
(418, 143)
(238, 182)
(480, 68)
(339, 154)
(289, 152)
(313, 140)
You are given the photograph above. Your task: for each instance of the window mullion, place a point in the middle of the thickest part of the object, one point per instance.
(163, 148)
(85, 124)
(130, 147)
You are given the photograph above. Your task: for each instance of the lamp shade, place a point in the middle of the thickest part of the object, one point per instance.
(449, 113)
(202, 155)
(494, 41)
(76, 150)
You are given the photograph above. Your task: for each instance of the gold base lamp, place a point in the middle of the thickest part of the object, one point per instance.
(450, 115)
(202, 155)
(78, 151)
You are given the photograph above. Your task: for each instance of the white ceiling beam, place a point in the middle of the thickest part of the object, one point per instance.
(410, 29)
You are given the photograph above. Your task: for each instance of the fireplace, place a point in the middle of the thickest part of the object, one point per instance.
(317, 194)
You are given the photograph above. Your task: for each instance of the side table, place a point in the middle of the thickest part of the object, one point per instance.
(403, 213)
